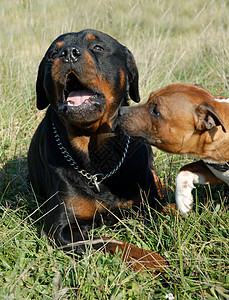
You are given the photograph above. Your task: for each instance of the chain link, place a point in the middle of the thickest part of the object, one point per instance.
(96, 179)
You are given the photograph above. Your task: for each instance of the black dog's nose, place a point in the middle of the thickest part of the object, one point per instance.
(70, 53)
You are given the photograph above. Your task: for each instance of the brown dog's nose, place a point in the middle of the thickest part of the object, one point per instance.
(123, 110)
(70, 53)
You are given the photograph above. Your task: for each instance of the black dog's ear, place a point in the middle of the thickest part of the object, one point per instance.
(42, 101)
(132, 72)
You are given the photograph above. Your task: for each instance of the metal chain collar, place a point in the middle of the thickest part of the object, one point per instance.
(93, 180)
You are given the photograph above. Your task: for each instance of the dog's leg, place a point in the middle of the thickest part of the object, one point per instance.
(194, 173)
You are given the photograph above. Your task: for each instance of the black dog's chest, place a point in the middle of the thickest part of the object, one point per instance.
(111, 191)
(86, 203)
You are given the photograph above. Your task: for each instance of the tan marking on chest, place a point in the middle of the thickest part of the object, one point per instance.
(124, 204)
(78, 142)
(84, 208)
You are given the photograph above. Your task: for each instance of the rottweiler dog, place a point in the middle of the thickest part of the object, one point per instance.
(83, 171)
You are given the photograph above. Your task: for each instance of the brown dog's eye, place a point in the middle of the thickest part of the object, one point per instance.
(98, 48)
(154, 111)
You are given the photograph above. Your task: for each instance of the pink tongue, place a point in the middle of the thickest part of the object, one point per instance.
(76, 98)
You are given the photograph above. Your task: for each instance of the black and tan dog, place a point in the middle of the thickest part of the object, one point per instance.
(89, 172)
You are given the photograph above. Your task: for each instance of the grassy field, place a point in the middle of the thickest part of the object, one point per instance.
(172, 41)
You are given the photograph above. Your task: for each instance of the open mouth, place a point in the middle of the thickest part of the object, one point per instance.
(78, 97)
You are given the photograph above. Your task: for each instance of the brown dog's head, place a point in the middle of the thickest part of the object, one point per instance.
(86, 76)
(175, 118)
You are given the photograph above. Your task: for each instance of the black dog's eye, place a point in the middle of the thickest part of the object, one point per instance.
(98, 48)
(54, 55)
(154, 111)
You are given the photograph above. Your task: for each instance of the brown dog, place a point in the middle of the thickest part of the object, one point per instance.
(185, 119)
(90, 174)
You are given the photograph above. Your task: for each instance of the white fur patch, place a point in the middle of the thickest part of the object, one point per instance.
(184, 185)
(222, 100)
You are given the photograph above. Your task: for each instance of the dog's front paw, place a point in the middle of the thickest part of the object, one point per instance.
(184, 186)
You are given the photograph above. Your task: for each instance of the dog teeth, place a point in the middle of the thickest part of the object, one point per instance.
(92, 98)
(70, 103)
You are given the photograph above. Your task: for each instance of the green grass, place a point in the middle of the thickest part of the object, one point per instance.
(172, 41)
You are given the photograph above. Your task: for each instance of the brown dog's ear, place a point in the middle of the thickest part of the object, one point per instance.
(42, 101)
(132, 72)
(207, 117)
